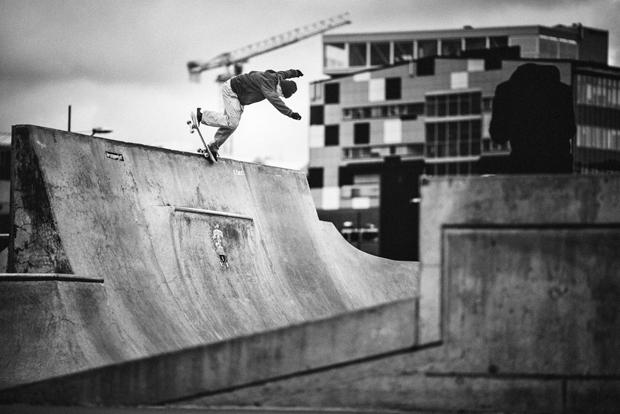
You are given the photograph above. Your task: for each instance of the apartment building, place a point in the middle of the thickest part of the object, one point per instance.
(402, 105)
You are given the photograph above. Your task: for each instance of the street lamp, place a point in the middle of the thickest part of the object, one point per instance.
(359, 204)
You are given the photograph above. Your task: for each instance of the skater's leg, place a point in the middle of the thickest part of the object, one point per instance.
(220, 137)
(232, 111)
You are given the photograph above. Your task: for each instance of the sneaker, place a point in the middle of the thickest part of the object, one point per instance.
(214, 151)
(198, 115)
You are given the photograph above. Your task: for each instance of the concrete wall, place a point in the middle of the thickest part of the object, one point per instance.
(520, 291)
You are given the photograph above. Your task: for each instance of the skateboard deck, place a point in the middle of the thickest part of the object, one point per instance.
(195, 126)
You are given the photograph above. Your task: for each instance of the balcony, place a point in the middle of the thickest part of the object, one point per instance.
(370, 153)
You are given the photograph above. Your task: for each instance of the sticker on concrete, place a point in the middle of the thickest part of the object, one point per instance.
(218, 242)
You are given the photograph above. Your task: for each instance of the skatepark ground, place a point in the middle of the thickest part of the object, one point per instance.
(139, 276)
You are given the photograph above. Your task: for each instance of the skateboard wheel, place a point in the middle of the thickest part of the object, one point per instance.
(189, 122)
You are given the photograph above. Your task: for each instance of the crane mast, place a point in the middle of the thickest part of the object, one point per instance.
(239, 56)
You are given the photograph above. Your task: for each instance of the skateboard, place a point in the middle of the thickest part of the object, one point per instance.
(195, 126)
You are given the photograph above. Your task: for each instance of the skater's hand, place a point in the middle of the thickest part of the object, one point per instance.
(296, 116)
(299, 73)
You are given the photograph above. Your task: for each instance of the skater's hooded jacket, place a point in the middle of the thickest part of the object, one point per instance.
(255, 86)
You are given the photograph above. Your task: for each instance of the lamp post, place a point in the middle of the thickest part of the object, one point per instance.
(359, 204)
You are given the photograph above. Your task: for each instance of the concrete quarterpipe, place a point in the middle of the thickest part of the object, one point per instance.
(122, 252)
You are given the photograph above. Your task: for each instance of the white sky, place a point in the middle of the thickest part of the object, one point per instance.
(120, 64)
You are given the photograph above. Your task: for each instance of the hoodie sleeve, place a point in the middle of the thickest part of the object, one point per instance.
(286, 74)
(272, 96)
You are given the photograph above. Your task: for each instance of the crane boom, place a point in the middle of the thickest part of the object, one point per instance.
(243, 54)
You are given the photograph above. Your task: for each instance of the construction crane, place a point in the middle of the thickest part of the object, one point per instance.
(238, 57)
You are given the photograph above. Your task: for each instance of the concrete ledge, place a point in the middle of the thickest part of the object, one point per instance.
(227, 365)
(46, 277)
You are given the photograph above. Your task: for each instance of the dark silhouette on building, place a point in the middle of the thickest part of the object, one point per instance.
(534, 112)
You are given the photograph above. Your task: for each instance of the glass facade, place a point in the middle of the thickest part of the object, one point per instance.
(332, 135)
(598, 91)
(361, 133)
(332, 93)
(378, 151)
(474, 43)
(556, 48)
(317, 114)
(453, 138)
(450, 137)
(468, 103)
(357, 54)
(427, 48)
(402, 111)
(598, 123)
(335, 55)
(403, 51)
(450, 47)
(380, 53)
(393, 88)
(498, 41)
(347, 56)
(315, 177)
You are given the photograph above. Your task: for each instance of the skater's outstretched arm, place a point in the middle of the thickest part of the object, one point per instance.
(291, 73)
(274, 99)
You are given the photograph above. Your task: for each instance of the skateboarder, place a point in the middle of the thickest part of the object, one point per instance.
(246, 89)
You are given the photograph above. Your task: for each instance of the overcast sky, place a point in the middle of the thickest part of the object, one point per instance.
(120, 64)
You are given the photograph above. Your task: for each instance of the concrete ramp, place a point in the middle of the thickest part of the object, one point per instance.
(122, 252)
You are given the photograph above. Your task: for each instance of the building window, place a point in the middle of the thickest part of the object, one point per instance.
(427, 48)
(315, 177)
(425, 67)
(357, 54)
(469, 103)
(332, 93)
(316, 91)
(453, 138)
(450, 47)
(380, 53)
(361, 133)
(392, 88)
(498, 41)
(568, 49)
(316, 115)
(403, 51)
(487, 104)
(402, 111)
(475, 43)
(335, 55)
(332, 135)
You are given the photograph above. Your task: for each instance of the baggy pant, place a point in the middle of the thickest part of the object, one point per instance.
(228, 121)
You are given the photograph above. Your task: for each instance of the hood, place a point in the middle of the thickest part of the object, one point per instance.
(531, 72)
